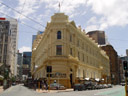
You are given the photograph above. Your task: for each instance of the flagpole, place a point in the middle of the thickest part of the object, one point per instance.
(59, 7)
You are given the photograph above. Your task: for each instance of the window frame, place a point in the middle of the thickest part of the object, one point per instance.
(59, 35)
(58, 52)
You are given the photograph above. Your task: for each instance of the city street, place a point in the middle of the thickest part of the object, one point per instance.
(20, 90)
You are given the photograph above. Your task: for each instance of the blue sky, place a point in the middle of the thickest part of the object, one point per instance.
(108, 15)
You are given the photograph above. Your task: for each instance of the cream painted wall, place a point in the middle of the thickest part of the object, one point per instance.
(94, 64)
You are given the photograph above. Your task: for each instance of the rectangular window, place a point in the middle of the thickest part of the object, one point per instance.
(58, 49)
(59, 35)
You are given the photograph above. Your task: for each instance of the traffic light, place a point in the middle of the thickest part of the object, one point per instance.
(49, 68)
(125, 65)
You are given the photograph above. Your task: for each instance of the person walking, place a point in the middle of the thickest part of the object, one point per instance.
(46, 84)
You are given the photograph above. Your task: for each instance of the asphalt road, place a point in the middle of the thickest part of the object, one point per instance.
(20, 90)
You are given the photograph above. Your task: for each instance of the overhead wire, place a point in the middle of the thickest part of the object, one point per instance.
(22, 14)
(21, 10)
(21, 22)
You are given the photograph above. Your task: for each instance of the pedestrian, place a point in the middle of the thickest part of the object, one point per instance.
(46, 85)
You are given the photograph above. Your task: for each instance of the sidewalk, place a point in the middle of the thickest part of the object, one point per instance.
(1, 89)
(53, 91)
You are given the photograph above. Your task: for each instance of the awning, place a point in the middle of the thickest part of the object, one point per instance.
(86, 78)
(97, 79)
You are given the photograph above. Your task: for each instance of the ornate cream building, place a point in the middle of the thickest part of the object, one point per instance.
(69, 51)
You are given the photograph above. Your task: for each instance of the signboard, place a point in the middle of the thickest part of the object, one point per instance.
(2, 18)
(60, 75)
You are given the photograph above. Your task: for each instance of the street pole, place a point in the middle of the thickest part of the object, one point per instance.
(38, 85)
(49, 82)
(58, 82)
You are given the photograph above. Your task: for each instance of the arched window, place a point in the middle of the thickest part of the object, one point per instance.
(59, 35)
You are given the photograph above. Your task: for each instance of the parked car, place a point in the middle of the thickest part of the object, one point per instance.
(13, 84)
(85, 85)
(122, 83)
(29, 83)
(109, 85)
(56, 86)
(79, 87)
(105, 86)
(91, 85)
(99, 86)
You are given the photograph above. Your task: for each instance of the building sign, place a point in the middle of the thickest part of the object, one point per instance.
(60, 75)
(2, 18)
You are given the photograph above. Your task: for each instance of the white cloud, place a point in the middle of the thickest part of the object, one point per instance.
(114, 12)
(92, 20)
(103, 26)
(24, 49)
(4, 11)
(26, 7)
(68, 7)
(91, 28)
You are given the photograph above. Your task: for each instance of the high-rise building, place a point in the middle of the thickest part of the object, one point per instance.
(26, 64)
(67, 53)
(14, 37)
(19, 64)
(98, 36)
(127, 52)
(8, 44)
(5, 45)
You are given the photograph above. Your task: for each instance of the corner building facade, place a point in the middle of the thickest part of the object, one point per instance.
(70, 53)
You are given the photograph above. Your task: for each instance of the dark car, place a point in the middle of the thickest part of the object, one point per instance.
(79, 87)
(91, 85)
(13, 84)
(83, 85)
(99, 86)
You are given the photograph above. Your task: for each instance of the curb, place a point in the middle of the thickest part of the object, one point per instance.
(53, 91)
